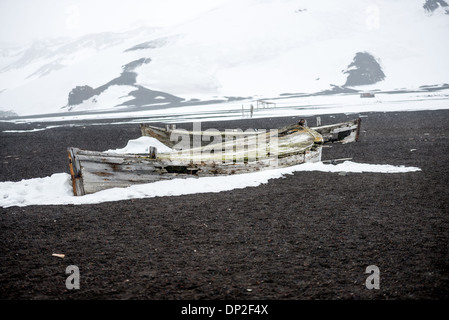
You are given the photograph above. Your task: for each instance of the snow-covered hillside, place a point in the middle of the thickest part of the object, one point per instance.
(242, 48)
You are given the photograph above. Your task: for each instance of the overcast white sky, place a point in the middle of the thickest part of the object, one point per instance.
(27, 20)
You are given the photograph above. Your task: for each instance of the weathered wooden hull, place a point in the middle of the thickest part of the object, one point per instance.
(341, 132)
(344, 132)
(95, 171)
(166, 134)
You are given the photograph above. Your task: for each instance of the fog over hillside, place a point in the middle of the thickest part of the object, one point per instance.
(235, 50)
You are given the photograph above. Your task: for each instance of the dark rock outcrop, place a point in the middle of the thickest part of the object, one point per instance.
(153, 44)
(432, 5)
(80, 94)
(142, 96)
(363, 70)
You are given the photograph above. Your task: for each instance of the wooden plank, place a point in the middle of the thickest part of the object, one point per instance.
(75, 172)
(346, 128)
(108, 167)
(336, 132)
(118, 160)
(72, 171)
(153, 152)
(90, 177)
(359, 123)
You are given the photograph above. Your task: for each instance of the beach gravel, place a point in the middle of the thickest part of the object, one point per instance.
(310, 235)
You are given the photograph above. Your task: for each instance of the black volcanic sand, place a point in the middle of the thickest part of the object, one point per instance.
(310, 235)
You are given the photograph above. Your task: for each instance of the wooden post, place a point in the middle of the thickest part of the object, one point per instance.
(153, 152)
(358, 129)
(75, 172)
(72, 172)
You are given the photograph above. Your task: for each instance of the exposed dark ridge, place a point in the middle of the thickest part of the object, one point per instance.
(144, 96)
(127, 77)
(432, 5)
(153, 44)
(363, 70)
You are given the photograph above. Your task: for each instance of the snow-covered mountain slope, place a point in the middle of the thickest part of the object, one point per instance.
(243, 48)
(39, 78)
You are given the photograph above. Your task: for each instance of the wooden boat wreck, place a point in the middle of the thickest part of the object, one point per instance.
(344, 132)
(239, 152)
(341, 132)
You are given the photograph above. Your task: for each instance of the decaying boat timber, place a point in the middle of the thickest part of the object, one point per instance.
(245, 151)
(94, 171)
(164, 134)
(341, 132)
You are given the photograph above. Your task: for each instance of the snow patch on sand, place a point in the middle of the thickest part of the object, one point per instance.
(57, 189)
